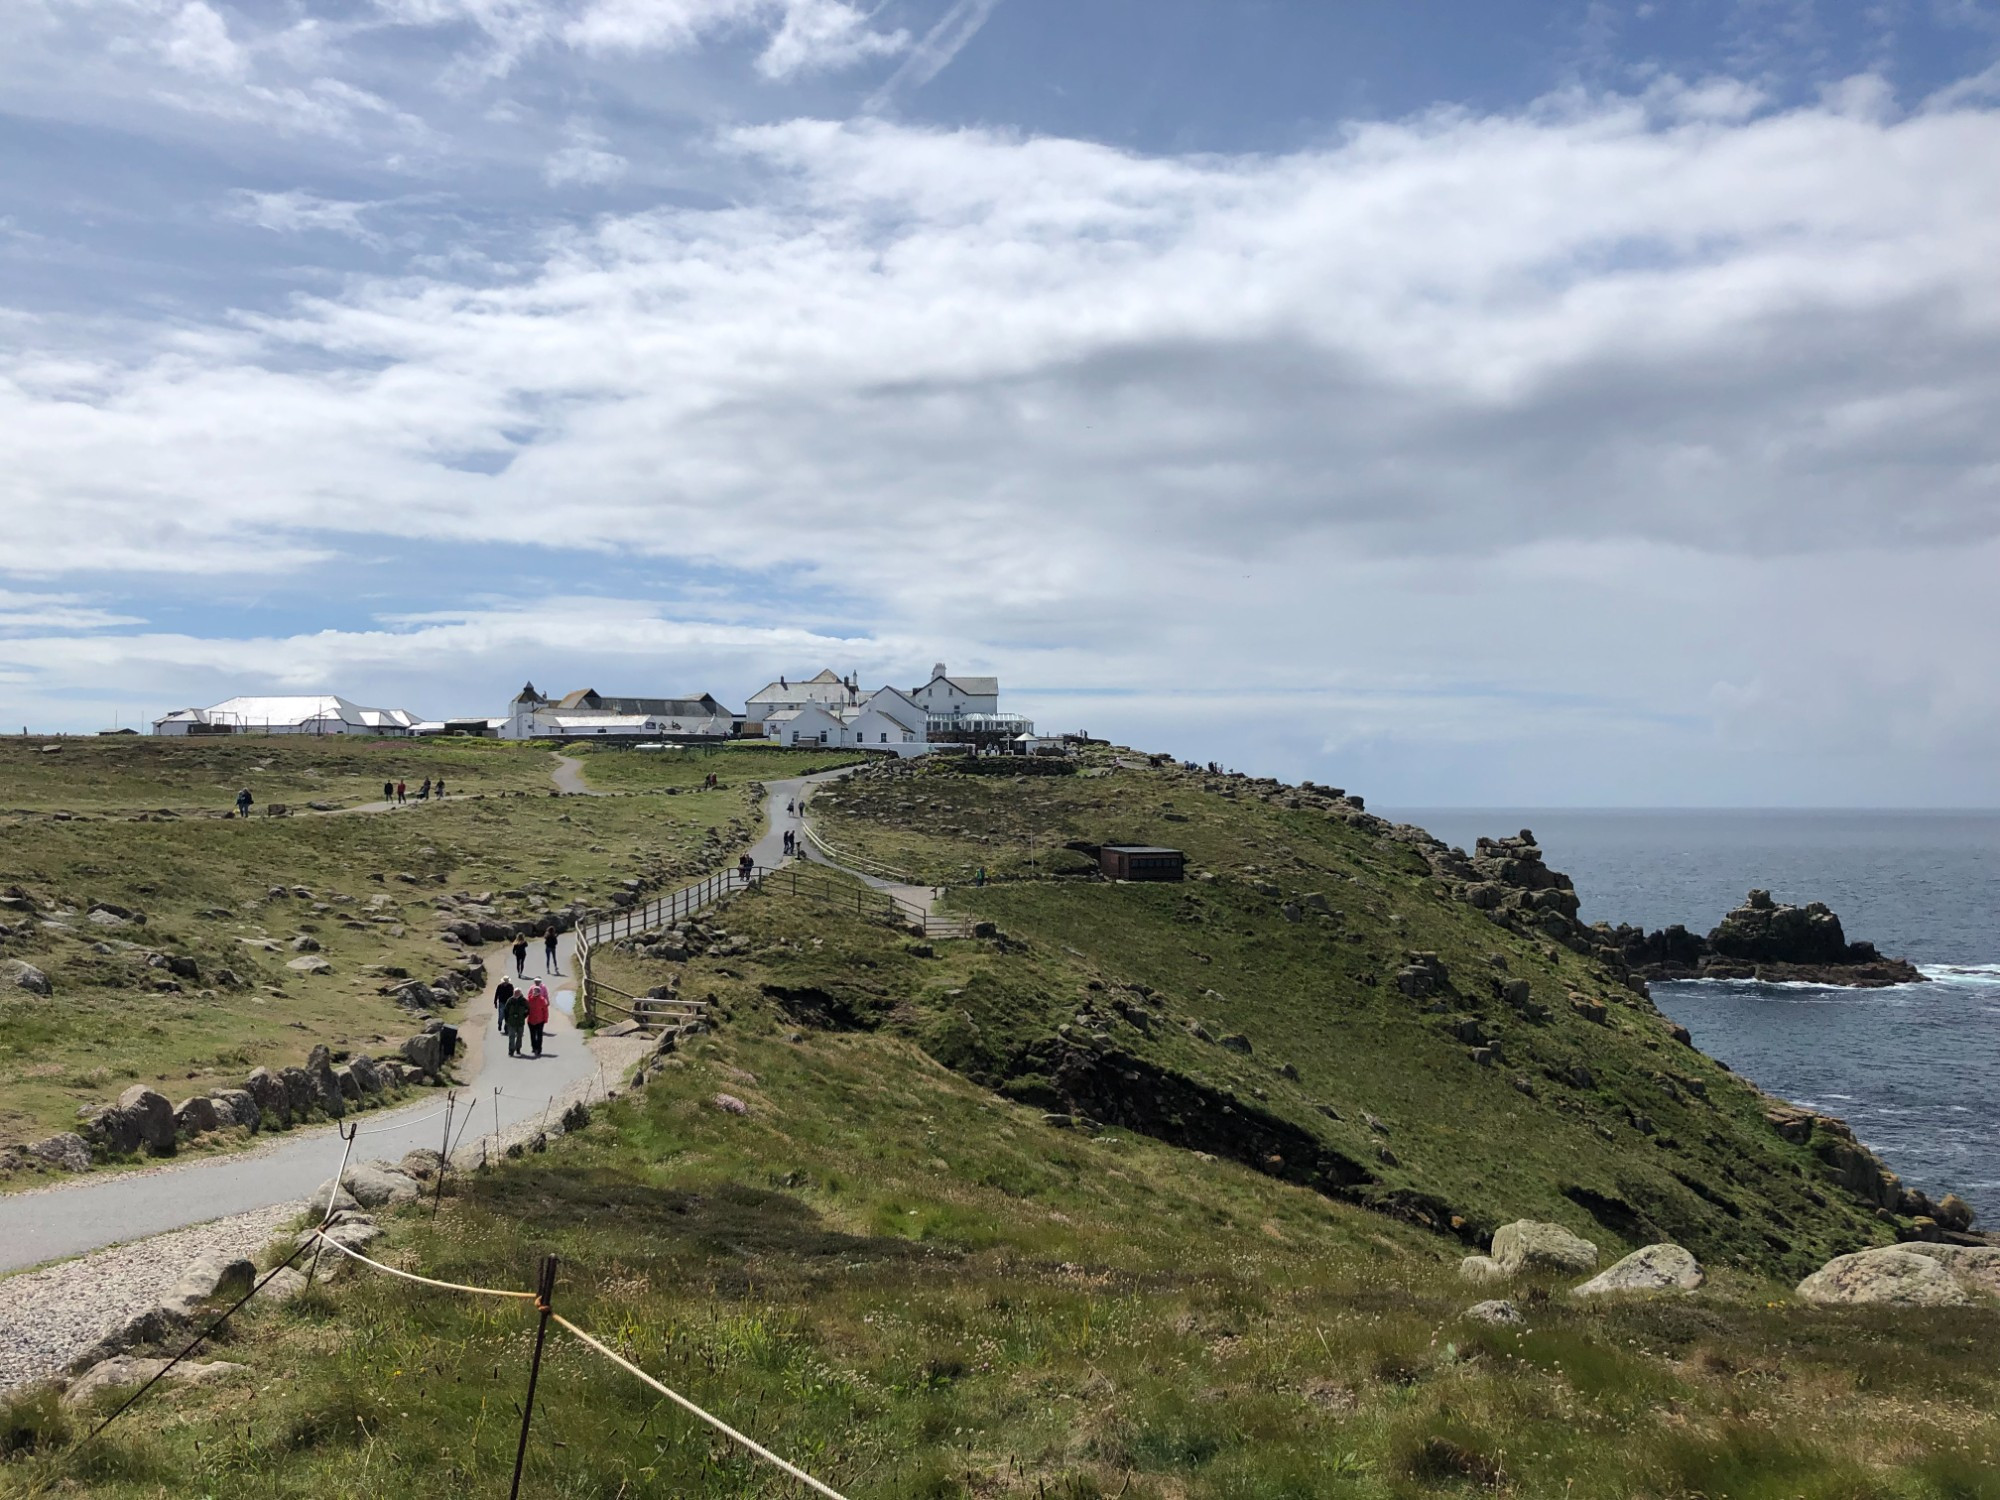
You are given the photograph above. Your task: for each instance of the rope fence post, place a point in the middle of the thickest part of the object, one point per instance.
(544, 1291)
(347, 1133)
(444, 1150)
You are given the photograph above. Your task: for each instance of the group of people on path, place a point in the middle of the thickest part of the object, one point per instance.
(398, 792)
(517, 1008)
(525, 1006)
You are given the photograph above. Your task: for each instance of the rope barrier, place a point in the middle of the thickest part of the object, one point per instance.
(688, 1406)
(402, 1124)
(448, 1286)
(539, 1298)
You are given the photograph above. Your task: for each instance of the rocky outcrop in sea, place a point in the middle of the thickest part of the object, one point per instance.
(1764, 940)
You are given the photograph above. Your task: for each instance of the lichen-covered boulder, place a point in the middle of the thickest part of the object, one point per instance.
(1504, 1314)
(1481, 1268)
(15, 974)
(1529, 1245)
(197, 1116)
(67, 1151)
(1974, 1267)
(1657, 1268)
(274, 1106)
(1896, 1278)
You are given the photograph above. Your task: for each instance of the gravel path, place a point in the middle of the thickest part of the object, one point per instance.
(51, 1316)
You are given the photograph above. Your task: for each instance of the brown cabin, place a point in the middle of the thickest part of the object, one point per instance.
(1141, 862)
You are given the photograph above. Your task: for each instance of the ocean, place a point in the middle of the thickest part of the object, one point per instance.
(1914, 1069)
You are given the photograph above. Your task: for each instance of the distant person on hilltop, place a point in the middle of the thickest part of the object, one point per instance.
(243, 801)
(424, 791)
(439, 789)
(388, 791)
(399, 792)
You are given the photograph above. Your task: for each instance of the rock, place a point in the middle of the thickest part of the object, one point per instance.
(1954, 1213)
(1480, 1268)
(1503, 1313)
(355, 1231)
(372, 1185)
(1528, 1245)
(123, 1370)
(1235, 1041)
(284, 1284)
(730, 1104)
(421, 1165)
(366, 1075)
(141, 1119)
(424, 1053)
(1897, 1278)
(1657, 1268)
(305, 942)
(344, 1202)
(300, 1091)
(196, 1116)
(15, 974)
(328, 1097)
(236, 1107)
(274, 1106)
(100, 916)
(212, 1278)
(312, 963)
(1976, 1268)
(66, 1151)
(1765, 940)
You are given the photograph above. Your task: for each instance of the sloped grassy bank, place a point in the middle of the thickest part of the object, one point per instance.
(915, 1288)
(1149, 1193)
(1331, 1000)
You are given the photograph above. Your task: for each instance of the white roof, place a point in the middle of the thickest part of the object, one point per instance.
(594, 722)
(254, 711)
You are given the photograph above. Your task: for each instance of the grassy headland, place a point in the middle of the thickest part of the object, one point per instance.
(1149, 1194)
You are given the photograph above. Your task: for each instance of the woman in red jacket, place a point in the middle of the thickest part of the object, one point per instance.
(538, 1013)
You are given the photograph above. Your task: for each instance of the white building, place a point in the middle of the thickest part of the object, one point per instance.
(315, 713)
(827, 690)
(589, 714)
(948, 697)
(884, 719)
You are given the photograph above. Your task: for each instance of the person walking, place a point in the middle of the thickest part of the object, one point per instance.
(243, 801)
(549, 951)
(512, 1019)
(399, 792)
(388, 791)
(979, 878)
(424, 791)
(520, 955)
(439, 789)
(502, 993)
(538, 1013)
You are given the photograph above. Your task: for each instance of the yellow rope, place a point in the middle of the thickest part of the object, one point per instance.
(716, 1422)
(449, 1286)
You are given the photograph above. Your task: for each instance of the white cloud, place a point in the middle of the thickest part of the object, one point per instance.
(584, 163)
(296, 212)
(198, 41)
(1678, 424)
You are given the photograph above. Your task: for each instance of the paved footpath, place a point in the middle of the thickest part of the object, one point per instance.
(48, 1224)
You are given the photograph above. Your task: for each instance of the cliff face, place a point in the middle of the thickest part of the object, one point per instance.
(1765, 940)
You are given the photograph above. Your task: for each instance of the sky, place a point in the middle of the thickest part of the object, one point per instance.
(1474, 403)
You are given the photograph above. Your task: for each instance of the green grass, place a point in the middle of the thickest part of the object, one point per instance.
(915, 1288)
(203, 886)
(910, 1267)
